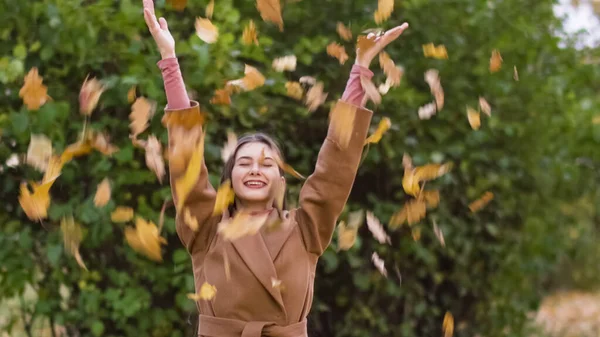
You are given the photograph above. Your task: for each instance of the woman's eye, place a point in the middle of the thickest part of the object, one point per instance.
(267, 165)
(244, 164)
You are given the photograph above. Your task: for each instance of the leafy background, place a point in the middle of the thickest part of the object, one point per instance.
(538, 154)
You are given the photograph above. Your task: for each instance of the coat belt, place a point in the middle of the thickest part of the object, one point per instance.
(216, 327)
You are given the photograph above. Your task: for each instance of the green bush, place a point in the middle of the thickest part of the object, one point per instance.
(538, 154)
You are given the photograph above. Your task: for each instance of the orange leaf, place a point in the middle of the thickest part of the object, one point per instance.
(270, 10)
(384, 10)
(338, 51)
(495, 61)
(89, 95)
(178, 5)
(33, 92)
(72, 236)
(242, 224)
(342, 117)
(225, 197)
(102, 193)
(384, 125)
(315, 97)
(221, 97)
(481, 202)
(252, 79)
(250, 36)
(206, 31)
(275, 283)
(431, 171)
(39, 152)
(288, 169)
(343, 31)
(474, 118)
(145, 239)
(154, 159)
(121, 214)
(285, 63)
(448, 324)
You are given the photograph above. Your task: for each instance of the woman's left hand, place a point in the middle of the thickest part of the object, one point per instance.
(364, 58)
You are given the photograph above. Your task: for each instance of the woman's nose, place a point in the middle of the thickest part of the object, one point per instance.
(254, 169)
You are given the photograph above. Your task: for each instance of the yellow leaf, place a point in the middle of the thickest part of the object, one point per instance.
(315, 96)
(33, 92)
(270, 10)
(343, 31)
(53, 170)
(154, 159)
(377, 229)
(338, 51)
(495, 61)
(356, 218)
(121, 214)
(416, 234)
(225, 197)
(432, 198)
(141, 111)
(285, 63)
(190, 220)
(78, 149)
(379, 264)
(410, 182)
(229, 147)
(481, 202)
(35, 205)
(39, 152)
(439, 52)
(346, 236)
(431, 171)
(102, 193)
(252, 79)
(89, 95)
(242, 224)
(207, 291)
(294, 90)
(185, 184)
(250, 35)
(415, 211)
(342, 117)
(474, 118)
(384, 10)
(145, 239)
(384, 125)
(72, 236)
(485, 106)
(210, 9)
(206, 31)
(131, 94)
(448, 324)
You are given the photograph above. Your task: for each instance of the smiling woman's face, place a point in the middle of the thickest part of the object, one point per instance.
(254, 177)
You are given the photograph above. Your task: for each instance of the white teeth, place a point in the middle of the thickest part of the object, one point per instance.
(255, 183)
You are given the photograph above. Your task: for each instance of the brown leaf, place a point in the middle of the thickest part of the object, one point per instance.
(221, 97)
(141, 111)
(131, 94)
(145, 239)
(33, 92)
(364, 43)
(154, 159)
(285, 63)
(39, 152)
(315, 97)
(371, 92)
(393, 73)
(288, 168)
(210, 9)
(379, 264)
(481, 202)
(495, 61)
(72, 236)
(252, 79)
(448, 324)
(89, 96)
(384, 10)
(344, 32)
(342, 117)
(474, 118)
(439, 52)
(338, 51)
(294, 90)
(101, 143)
(206, 31)
(190, 220)
(384, 124)
(242, 224)
(270, 10)
(229, 147)
(250, 35)
(225, 197)
(121, 214)
(432, 198)
(485, 106)
(433, 79)
(178, 5)
(185, 184)
(102, 196)
(377, 229)
(346, 236)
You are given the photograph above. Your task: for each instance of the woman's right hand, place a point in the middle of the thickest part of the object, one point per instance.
(159, 30)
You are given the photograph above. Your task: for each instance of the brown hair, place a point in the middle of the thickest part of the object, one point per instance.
(250, 138)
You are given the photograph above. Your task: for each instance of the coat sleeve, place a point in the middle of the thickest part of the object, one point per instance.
(325, 192)
(201, 199)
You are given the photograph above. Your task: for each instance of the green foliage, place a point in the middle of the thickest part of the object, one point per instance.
(538, 153)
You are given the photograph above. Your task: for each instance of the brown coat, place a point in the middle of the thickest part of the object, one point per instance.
(248, 305)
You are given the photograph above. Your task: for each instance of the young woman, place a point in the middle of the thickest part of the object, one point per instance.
(248, 303)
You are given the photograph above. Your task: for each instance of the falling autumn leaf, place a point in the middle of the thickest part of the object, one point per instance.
(89, 95)
(515, 73)
(384, 125)
(346, 236)
(78, 149)
(432, 198)
(439, 52)
(285, 63)
(207, 292)
(481, 202)
(270, 10)
(485, 106)
(288, 168)
(412, 212)
(35, 205)
(376, 229)
(225, 197)
(72, 236)
(101, 143)
(242, 224)
(343, 31)
(371, 92)
(33, 92)
(315, 97)
(229, 147)
(294, 90)
(431, 171)
(356, 218)
(185, 184)
(384, 10)
(364, 43)
(416, 234)
(206, 31)
(342, 117)
(474, 118)
(39, 152)
(379, 264)
(338, 51)
(178, 5)
(427, 110)
(495, 61)
(221, 97)
(276, 284)
(53, 170)
(190, 220)
(393, 72)
(252, 79)
(145, 239)
(154, 158)
(210, 9)
(433, 79)
(131, 94)
(102, 193)
(448, 324)
(121, 214)
(439, 234)
(141, 111)
(250, 35)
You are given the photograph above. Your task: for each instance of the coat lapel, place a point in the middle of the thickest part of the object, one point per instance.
(280, 235)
